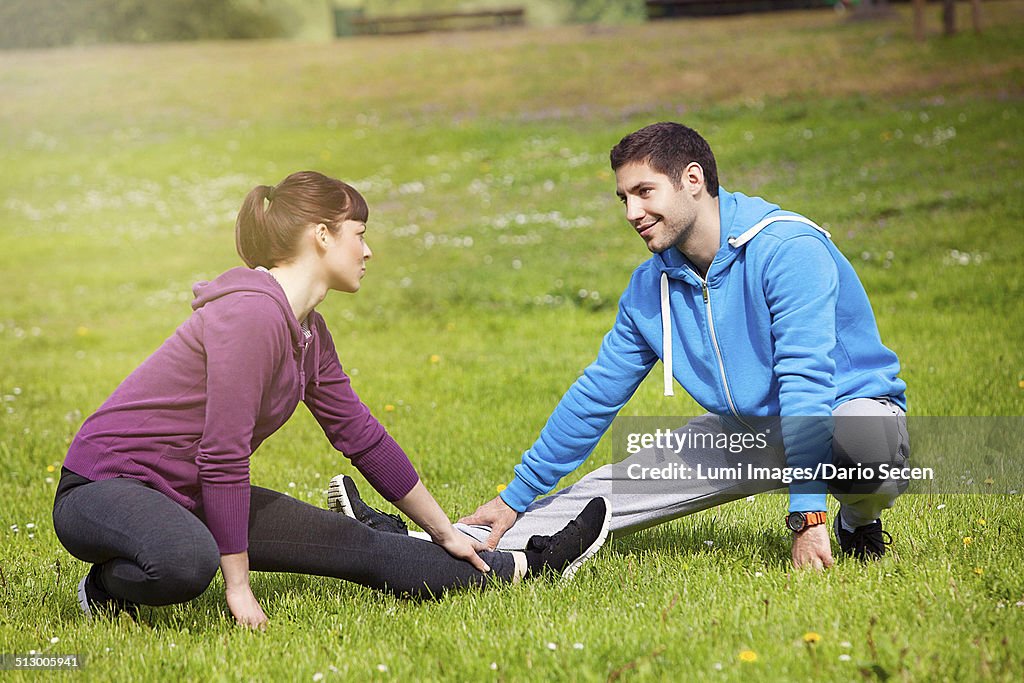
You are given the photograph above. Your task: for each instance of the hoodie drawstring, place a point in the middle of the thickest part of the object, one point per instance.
(666, 335)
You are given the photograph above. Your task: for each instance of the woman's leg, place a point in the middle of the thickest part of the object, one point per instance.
(147, 548)
(287, 535)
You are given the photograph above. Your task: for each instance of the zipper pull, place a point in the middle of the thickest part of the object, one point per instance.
(704, 289)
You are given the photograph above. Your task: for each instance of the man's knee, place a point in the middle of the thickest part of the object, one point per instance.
(866, 449)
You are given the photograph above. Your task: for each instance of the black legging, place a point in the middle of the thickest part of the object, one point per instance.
(152, 551)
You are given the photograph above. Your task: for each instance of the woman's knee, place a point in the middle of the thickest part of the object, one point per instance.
(183, 571)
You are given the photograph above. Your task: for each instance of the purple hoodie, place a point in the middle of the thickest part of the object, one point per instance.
(186, 421)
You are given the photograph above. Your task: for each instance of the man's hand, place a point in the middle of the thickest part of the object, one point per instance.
(495, 514)
(812, 549)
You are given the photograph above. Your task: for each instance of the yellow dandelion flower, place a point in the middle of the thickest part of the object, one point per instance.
(982, 521)
(82, 331)
(1021, 384)
(979, 571)
(389, 408)
(748, 656)
(968, 540)
(435, 358)
(812, 638)
(499, 488)
(51, 468)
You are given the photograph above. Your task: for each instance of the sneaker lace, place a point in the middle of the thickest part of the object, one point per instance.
(542, 543)
(394, 518)
(871, 541)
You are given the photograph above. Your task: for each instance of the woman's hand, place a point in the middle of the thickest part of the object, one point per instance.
(241, 601)
(421, 507)
(462, 547)
(244, 607)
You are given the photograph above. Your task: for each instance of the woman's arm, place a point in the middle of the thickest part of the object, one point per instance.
(241, 601)
(421, 508)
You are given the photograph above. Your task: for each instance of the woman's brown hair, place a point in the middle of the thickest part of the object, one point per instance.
(272, 219)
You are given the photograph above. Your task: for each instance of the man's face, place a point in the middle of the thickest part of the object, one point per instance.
(662, 215)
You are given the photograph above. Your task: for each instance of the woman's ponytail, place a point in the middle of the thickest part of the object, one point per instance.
(252, 232)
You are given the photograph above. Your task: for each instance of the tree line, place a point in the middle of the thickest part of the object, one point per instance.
(51, 23)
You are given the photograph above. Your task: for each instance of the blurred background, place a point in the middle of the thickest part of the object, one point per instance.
(42, 23)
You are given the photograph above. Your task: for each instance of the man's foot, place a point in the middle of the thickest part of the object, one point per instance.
(566, 551)
(93, 600)
(343, 497)
(866, 542)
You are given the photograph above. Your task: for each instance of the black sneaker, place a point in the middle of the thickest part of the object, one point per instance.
(866, 542)
(343, 497)
(566, 551)
(94, 601)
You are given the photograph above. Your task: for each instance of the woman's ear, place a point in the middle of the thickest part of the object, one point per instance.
(320, 234)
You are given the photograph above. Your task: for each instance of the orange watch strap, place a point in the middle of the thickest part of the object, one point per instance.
(815, 518)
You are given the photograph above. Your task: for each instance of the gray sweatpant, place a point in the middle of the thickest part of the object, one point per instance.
(868, 442)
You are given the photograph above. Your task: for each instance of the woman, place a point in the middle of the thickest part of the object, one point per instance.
(155, 488)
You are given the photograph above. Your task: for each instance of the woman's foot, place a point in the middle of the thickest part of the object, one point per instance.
(343, 497)
(566, 551)
(93, 600)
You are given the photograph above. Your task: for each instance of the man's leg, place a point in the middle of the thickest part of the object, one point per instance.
(868, 433)
(636, 504)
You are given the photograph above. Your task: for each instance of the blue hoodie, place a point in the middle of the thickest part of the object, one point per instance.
(781, 326)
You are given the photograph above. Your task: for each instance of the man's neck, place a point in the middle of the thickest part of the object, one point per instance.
(705, 239)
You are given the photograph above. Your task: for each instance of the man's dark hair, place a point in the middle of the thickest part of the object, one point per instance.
(668, 148)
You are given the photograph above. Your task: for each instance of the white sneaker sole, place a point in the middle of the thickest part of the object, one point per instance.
(575, 565)
(337, 498)
(83, 600)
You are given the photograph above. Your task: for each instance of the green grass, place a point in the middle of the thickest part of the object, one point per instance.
(483, 158)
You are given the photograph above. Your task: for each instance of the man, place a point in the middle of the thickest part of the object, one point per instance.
(757, 315)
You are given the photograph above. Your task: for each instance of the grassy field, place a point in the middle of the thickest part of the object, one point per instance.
(500, 251)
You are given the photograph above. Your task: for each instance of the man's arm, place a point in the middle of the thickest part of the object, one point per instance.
(579, 420)
(801, 288)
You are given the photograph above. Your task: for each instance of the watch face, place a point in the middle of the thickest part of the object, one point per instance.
(796, 521)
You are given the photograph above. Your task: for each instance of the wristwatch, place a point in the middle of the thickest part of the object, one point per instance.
(798, 521)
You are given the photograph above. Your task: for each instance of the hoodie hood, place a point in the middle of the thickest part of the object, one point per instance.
(242, 279)
(738, 213)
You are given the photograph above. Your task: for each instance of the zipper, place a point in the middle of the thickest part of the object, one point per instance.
(302, 371)
(718, 351)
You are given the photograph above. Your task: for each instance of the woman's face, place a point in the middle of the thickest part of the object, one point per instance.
(346, 256)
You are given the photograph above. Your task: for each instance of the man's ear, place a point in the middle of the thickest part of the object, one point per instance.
(693, 177)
